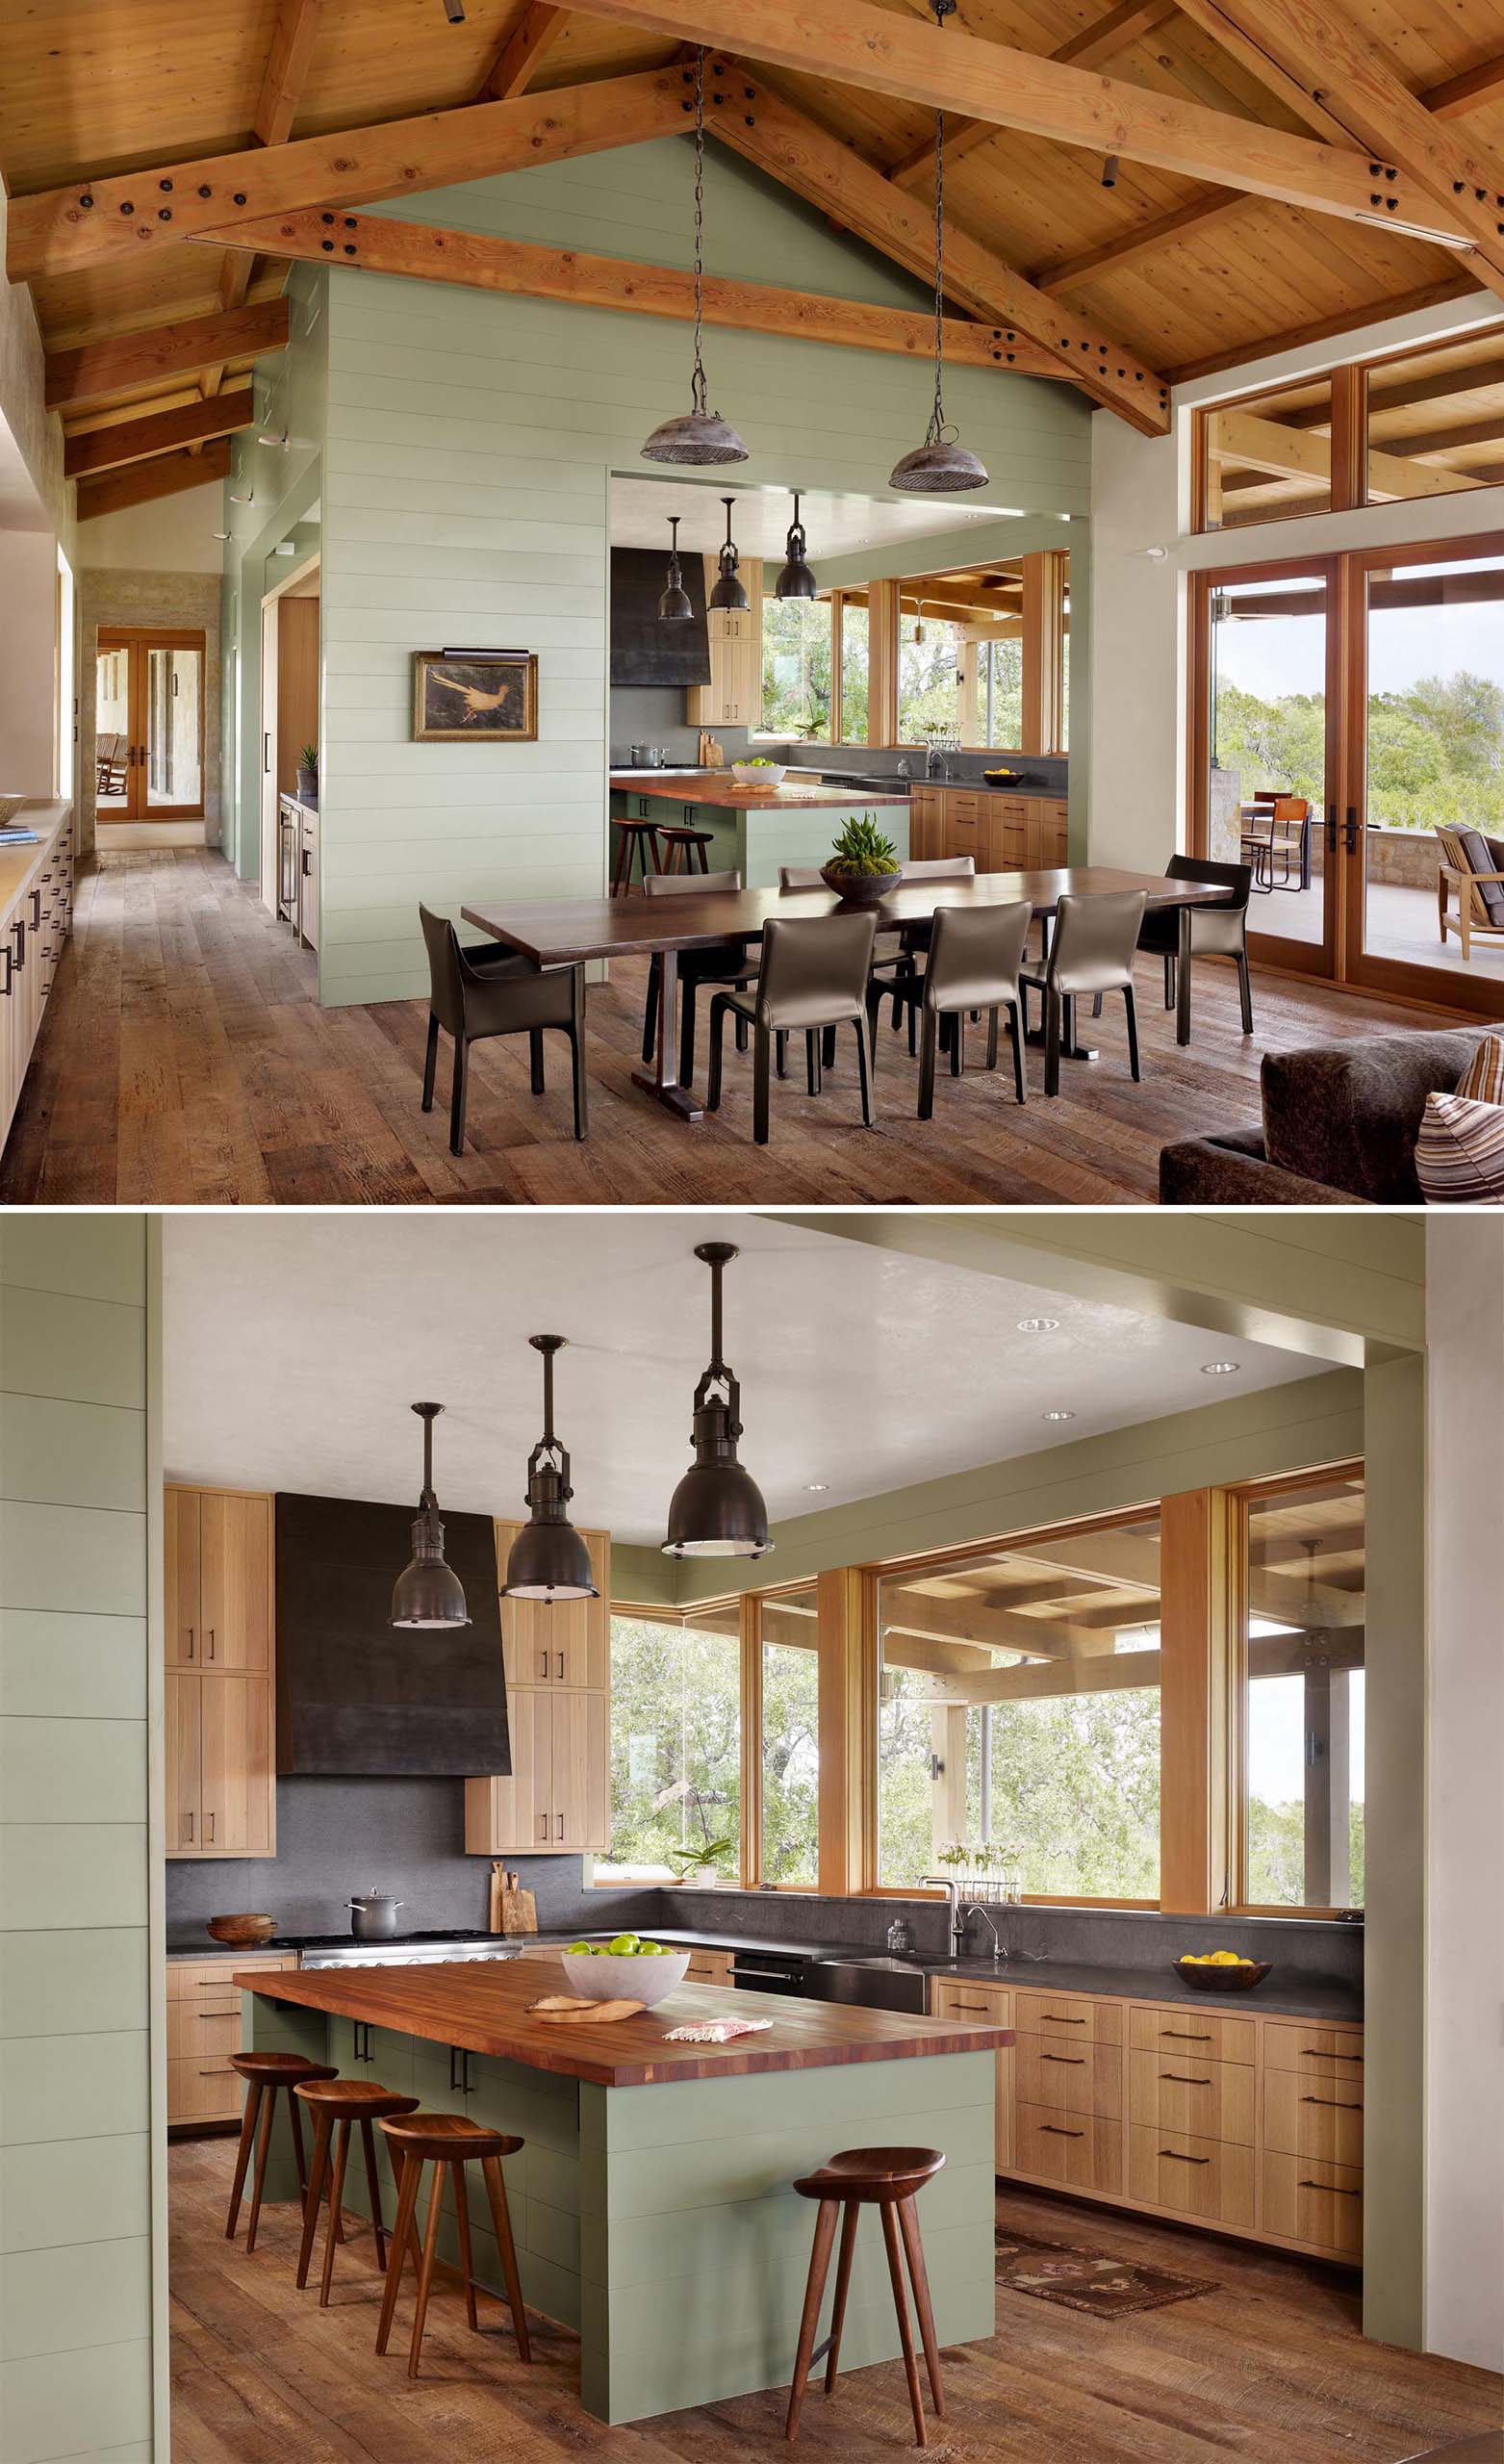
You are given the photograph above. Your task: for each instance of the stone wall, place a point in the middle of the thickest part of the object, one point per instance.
(174, 600)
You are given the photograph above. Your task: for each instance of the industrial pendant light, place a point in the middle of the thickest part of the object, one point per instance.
(702, 436)
(548, 1559)
(730, 591)
(940, 467)
(427, 1592)
(796, 580)
(717, 1510)
(674, 607)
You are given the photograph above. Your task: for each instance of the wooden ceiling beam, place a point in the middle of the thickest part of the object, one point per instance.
(143, 482)
(1200, 214)
(870, 47)
(1469, 93)
(1323, 53)
(282, 84)
(56, 232)
(1248, 443)
(108, 448)
(781, 141)
(533, 36)
(1112, 34)
(123, 363)
(525, 270)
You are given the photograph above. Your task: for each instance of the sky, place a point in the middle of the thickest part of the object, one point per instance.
(1287, 654)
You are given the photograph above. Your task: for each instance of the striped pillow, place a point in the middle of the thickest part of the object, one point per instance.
(1483, 1079)
(1460, 1152)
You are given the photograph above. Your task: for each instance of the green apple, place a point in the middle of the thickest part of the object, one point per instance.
(651, 1951)
(578, 1951)
(623, 1946)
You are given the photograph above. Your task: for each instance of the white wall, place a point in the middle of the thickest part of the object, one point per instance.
(1465, 1816)
(174, 536)
(1141, 500)
(28, 618)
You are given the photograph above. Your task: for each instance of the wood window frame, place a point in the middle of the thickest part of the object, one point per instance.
(1245, 1495)
(1045, 576)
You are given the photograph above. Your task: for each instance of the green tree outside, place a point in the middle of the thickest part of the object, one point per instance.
(1435, 751)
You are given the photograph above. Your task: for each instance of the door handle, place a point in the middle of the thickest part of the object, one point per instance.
(1352, 829)
(190, 1830)
(543, 1670)
(18, 935)
(265, 752)
(190, 1642)
(9, 969)
(36, 911)
(561, 1667)
(1331, 829)
(211, 1638)
(211, 1826)
(559, 1819)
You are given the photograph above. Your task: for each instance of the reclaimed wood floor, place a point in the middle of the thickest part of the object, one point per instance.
(1269, 2366)
(184, 1061)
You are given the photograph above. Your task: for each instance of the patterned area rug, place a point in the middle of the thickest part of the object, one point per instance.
(1086, 2281)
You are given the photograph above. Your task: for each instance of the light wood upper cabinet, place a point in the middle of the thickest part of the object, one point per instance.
(221, 1787)
(581, 1772)
(235, 1580)
(733, 696)
(569, 1644)
(558, 1794)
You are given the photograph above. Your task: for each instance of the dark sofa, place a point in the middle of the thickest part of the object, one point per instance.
(1340, 1127)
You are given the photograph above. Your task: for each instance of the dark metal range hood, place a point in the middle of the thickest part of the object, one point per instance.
(354, 1696)
(643, 651)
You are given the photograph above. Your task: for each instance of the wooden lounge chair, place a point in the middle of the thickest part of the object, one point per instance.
(1470, 865)
(1276, 842)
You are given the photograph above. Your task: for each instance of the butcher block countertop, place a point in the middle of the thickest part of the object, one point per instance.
(481, 2007)
(719, 787)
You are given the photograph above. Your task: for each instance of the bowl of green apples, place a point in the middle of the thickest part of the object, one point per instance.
(630, 1966)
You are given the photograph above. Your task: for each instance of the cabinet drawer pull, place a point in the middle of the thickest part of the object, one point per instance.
(210, 1638)
(219, 2014)
(1078, 2060)
(1056, 2132)
(211, 1826)
(1319, 2055)
(221, 2070)
(190, 1642)
(544, 1671)
(190, 1826)
(559, 1819)
(1184, 2079)
(1058, 2020)
(1336, 2190)
(561, 1667)
(542, 1826)
(1185, 2035)
(968, 2006)
(1339, 2104)
(1177, 2158)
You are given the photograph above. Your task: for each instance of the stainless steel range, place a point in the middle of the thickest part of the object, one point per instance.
(404, 1950)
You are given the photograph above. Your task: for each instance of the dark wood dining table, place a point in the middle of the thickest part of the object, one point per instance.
(567, 931)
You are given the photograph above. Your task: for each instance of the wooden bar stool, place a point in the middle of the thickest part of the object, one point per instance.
(448, 2142)
(639, 839)
(335, 2104)
(886, 2178)
(687, 849)
(264, 2074)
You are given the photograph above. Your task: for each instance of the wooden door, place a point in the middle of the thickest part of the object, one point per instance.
(184, 1790)
(581, 1794)
(511, 1816)
(180, 1514)
(152, 679)
(235, 1582)
(239, 1780)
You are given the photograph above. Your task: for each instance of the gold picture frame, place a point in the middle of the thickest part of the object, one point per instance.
(474, 697)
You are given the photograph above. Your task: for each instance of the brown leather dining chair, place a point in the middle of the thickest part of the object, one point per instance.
(813, 976)
(728, 962)
(1091, 951)
(975, 962)
(1219, 931)
(474, 994)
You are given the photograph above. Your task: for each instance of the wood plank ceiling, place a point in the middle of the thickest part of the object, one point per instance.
(1162, 273)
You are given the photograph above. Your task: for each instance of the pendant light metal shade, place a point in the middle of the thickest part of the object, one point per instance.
(699, 437)
(940, 467)
(730, 591)
(427, 1592)
(796, 580)
(674, 607)
(548, 1560)
(717, 1510)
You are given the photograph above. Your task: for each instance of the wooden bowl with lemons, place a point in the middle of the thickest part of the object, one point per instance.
(1221, 1971)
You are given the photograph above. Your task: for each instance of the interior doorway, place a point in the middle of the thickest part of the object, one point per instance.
(149, 726)
(290, 665)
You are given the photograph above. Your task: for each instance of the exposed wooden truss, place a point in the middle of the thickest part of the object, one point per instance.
(527, 45)
(1244, 441)
(143, 482)
(288, 60)
(525, 270)
(120, 362)
(97, 222)
(109, 449)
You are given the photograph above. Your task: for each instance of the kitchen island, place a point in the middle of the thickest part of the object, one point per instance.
(653, 2203)
(754, 830)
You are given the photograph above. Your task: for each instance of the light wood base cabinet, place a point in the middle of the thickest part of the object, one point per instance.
(1075, 2151)
(992, 2005)
(1208, 2179)
(708, 1967)
(204, 2029)
(35, 919)
(1317, 2206)
(1002, 834)
(1079, 2078)
(221, 1787)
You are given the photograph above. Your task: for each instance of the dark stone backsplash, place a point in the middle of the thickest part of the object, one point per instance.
(338, 1836)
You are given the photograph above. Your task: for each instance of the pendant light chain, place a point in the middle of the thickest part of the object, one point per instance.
(940, 466)
(937, 415)
(698, 391)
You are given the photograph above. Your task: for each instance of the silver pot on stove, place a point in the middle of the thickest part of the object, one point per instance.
(373, 1915)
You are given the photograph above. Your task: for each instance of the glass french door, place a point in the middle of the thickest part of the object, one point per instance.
(148, 725)
(1347, 725)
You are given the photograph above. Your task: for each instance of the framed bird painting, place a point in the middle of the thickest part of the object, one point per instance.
(474, 697)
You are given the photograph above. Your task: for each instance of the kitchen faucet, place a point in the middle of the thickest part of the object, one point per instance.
(960, 1909)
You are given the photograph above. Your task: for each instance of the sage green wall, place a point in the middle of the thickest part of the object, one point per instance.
(82, 2251)
(469, 443)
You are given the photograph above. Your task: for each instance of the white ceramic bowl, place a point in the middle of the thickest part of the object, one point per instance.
(759, 774)
(612, 1976)
(9, 806)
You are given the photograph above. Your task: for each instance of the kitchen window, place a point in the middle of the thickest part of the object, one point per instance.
(675, 1743)
(1018, 1713)
(788, 1686)
(796, 668)
(1300, 1731)
(852, 690)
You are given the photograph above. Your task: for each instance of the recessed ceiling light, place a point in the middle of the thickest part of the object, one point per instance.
(1220, 1367)
(816, 1488)
(1057, 1416)
(1038, 1325)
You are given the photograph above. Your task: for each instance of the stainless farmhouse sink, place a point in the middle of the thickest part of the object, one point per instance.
(876, 1984)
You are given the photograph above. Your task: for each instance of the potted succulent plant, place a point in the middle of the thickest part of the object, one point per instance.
(863, 865)
(308, 773)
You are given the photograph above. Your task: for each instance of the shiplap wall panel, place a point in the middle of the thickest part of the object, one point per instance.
(76, 2246)
(468, 449)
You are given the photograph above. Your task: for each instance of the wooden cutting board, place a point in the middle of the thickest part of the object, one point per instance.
(553, 2009)
(513, 1909)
